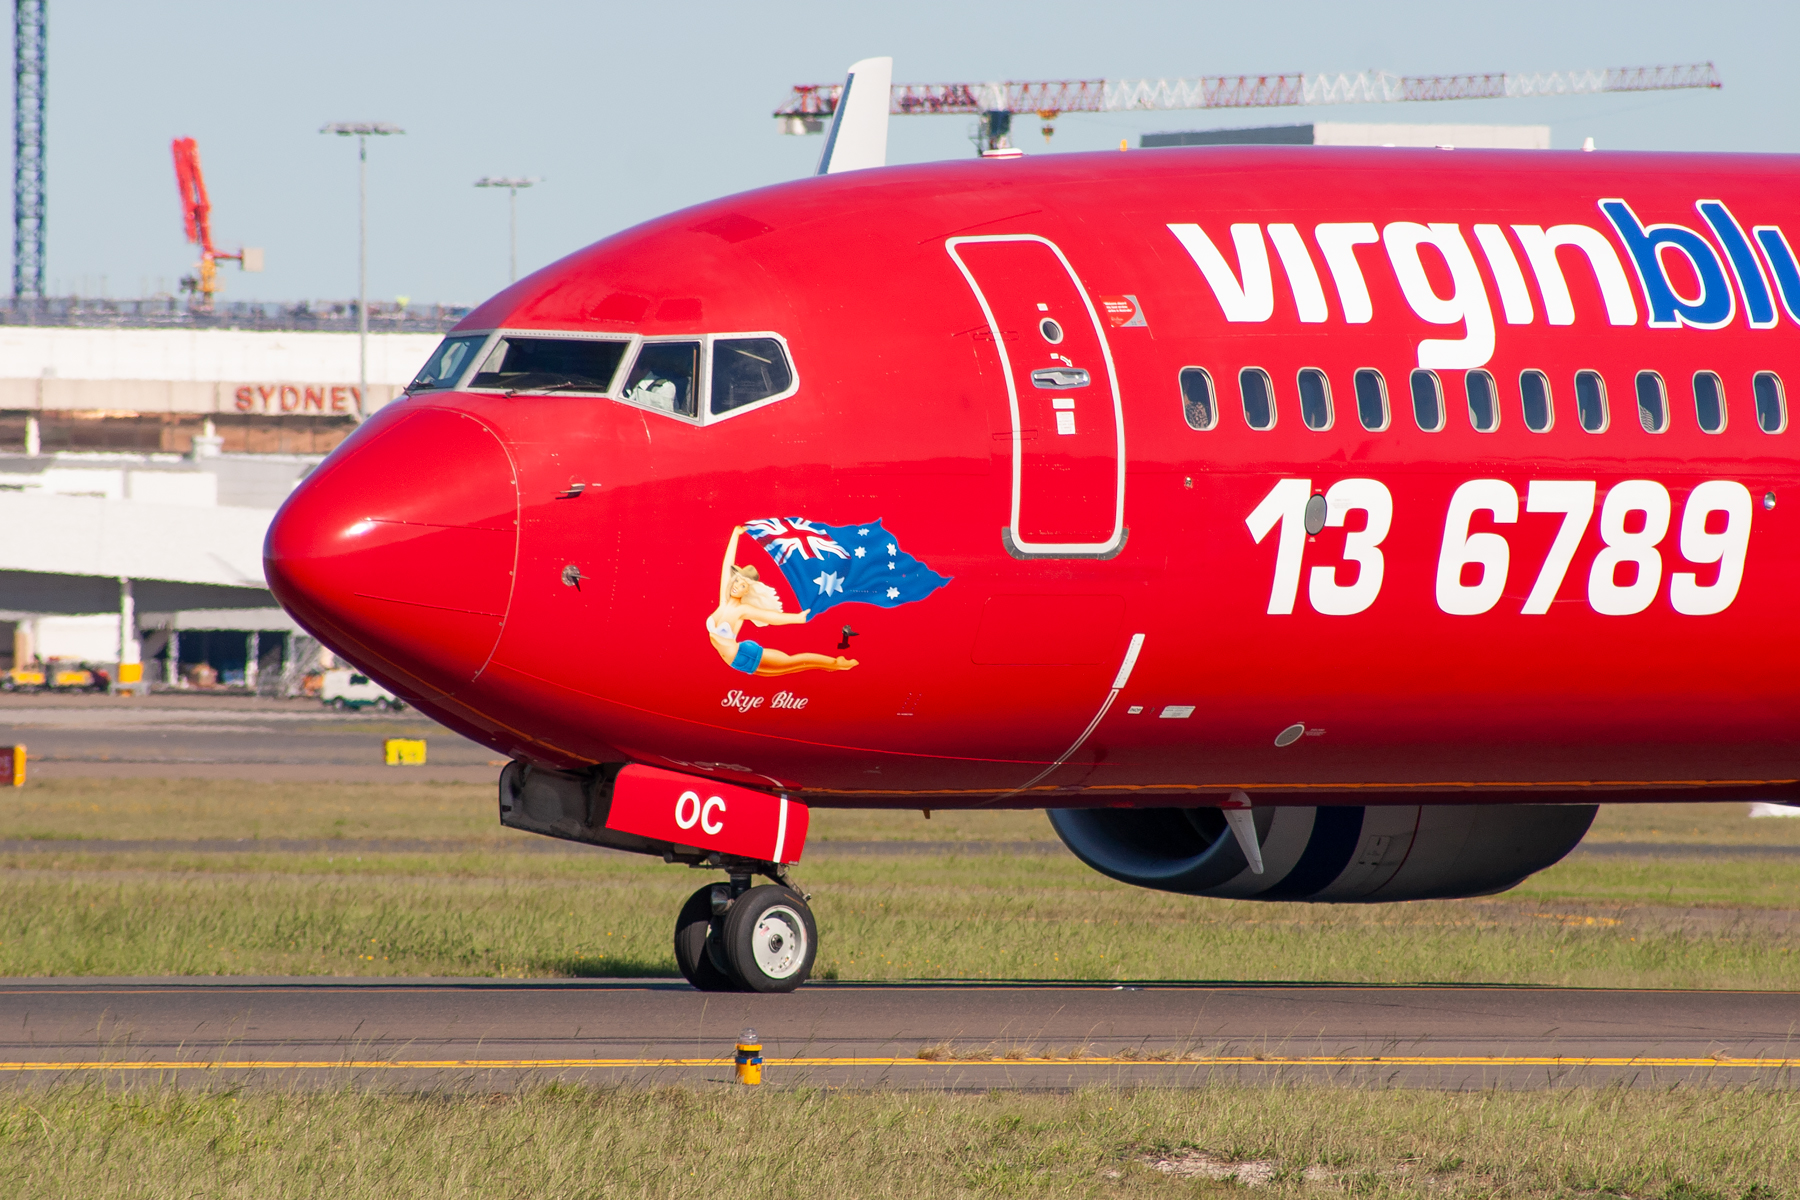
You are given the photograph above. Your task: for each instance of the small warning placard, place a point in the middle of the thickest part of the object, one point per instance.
(1124, 312)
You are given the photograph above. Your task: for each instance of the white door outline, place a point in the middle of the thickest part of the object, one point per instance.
(1015, 545)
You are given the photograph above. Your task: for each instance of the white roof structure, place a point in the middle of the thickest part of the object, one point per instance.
(121, 539)
(66, 554)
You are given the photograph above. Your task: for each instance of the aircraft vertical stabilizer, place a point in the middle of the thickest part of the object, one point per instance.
(858, 136)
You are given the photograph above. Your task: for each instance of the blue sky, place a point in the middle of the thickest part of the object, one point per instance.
(631, 110)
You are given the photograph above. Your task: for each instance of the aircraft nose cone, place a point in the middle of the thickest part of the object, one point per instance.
(400, 555)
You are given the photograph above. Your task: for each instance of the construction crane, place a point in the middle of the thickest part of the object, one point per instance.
(811, 105)
(196, 218)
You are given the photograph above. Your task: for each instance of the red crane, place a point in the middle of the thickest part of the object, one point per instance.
(196, 219)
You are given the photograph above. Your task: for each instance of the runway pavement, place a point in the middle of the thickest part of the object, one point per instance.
(486, 1034)
(173, 735)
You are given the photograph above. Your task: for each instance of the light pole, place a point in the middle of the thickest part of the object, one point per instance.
(512, 183)
(362, 131)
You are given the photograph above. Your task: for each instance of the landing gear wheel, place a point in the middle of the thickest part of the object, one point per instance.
(693, 928)
(770, 939)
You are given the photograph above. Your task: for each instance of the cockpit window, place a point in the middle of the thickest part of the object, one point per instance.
(446, 364)
(529, 364)
(663, 377)
(745, 370)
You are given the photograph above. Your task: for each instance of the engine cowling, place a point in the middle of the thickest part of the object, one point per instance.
(1330, 854)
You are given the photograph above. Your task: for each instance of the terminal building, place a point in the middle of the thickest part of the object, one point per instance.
(140, 467)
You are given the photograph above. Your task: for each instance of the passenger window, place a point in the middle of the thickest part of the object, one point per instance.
(1771, 402)
(530, 364)
(1709, 402)
(1653, 402)
(745, 370)
(1428, 401)
(663, 377)
(1484, 401)
(1259, 398)
(1590, 401)
(1371, 400)
(1315, 399)
(1535, 404)
(1197, 403)
(446, 364)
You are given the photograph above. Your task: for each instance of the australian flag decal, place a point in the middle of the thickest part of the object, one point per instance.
(837, 564)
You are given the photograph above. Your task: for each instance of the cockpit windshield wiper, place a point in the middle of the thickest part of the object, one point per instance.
(582, 384)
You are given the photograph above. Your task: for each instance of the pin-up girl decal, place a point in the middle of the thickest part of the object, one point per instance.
(744, 597)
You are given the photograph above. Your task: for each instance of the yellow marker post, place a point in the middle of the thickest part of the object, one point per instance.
(749, 1057)
(12, 766)
(404, 752)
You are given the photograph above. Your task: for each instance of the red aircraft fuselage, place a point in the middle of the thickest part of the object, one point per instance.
(1331, 476)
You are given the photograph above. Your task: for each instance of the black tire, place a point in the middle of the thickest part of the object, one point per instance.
(761, 929)
(693, 928)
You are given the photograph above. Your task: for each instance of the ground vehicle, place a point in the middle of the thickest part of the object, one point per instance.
(56, 675)
(24, 679)
(346, 689)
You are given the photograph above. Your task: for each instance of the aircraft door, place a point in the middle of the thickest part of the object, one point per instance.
(1068, 426)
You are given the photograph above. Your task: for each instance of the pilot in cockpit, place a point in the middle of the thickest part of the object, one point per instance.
(663, 377)
(654, 392)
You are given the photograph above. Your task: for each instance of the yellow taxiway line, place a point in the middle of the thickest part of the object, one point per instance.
(518, 1064)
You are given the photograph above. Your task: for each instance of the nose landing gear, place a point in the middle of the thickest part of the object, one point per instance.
(732, 937)
(729, 937)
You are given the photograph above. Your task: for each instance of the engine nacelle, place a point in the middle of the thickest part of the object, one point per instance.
(1331, 854)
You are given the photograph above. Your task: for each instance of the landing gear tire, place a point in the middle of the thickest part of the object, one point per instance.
(769, 939)
(693, 929)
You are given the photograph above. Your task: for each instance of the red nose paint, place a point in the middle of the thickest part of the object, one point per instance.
(402, 554)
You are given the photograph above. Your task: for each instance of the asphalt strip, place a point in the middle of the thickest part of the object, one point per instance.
(832, 848)
(455, 846)
(479, 1034)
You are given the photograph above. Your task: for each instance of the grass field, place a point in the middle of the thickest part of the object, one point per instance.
(485, 908)
(572, 1141)
(230, 808)
(1594, 921)
(1714, 824)
(233, 808)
